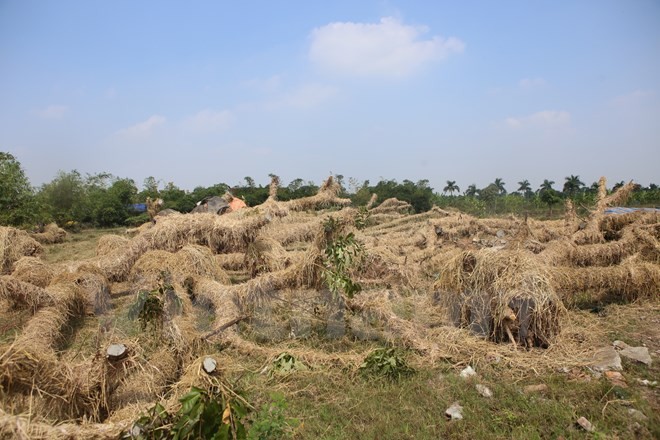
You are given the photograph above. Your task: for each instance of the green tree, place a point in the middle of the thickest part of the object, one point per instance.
(17, 205)
(451, 187)
(149, 189)
(471, 191)
(499, 184)
(548, 195)
(65, 198)
(525, 188)
(572, 186)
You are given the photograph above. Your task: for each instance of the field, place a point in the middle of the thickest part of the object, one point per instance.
(313, 319)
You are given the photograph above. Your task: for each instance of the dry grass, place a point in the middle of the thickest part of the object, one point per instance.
(15, 244)
(110, 243)
(34, 270)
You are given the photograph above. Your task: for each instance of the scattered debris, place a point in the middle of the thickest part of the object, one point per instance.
(454, 412)
(616, 379)
(484, 391)
(637, 415)
(647, 383)
(540, 388)
(639, 354)
(605, 359)
(468, 372)
(585, 424)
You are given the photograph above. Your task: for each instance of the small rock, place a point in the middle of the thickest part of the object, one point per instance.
(639, 354)
(605, 359)
(454, 412)
(209, 365)
(647, 383)
(616, 378)
(540, 388)
(637, 415)
(484, 390)
(585, 424)
(467, 372)
(500, 233)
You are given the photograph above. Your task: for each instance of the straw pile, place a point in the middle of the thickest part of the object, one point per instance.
(502, 295)
(109, 243)
(15, 244)
(392, 206)
(50, 234)
(327, 196)
(265, 255)
(23, 295)
(33, 270)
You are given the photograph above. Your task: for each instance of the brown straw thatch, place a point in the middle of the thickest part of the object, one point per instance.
(34, 270)
(109, 243)
(502, 294)
(20, 294)
(15, 244)
(265, 255)
(50, 234)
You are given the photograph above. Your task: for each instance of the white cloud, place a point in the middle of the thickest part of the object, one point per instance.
(388, 48)
(144, 128)
(543, 119)
(53, 112)
(531, 83)
(209, 120)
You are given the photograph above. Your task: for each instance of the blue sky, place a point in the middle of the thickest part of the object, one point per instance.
(205, 92)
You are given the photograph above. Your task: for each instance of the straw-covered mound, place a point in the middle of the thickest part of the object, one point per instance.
(23, 295)
(34, 270)
(15, 244)
(502, 295)
(50, 234)
(265, 255)
(109, 243)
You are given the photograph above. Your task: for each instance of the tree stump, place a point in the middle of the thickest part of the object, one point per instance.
(116, 352)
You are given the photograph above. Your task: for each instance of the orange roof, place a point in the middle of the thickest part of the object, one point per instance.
(237, 204)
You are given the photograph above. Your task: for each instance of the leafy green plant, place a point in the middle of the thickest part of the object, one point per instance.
(149, 307)
(203, 415)
(342, 252)
(361, 218)
(385, 362)
(270, 422)
(286, 363)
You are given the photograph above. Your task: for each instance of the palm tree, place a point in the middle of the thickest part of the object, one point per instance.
(451, 187)
(547, 185)
(572, 185)
(471, 191)
(525, 188)
(499, 183)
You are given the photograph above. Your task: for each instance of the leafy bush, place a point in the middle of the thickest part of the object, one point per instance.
(203, 415)
(342, 252)
(385, 362)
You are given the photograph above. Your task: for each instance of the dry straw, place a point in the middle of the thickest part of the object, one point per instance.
(22, 295)
(51, 234)
(109, 243)
(34, 270)
(15, 244)
(503, 295)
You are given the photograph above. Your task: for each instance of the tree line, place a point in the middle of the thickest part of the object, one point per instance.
(72, 199)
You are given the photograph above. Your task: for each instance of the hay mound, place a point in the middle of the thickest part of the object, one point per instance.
(110, 243)
(87, 283)
(23, 295)
(50, 234)
(501, 294)
(33, 270)
(392, 206)
(15, 244)
(265, 255)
